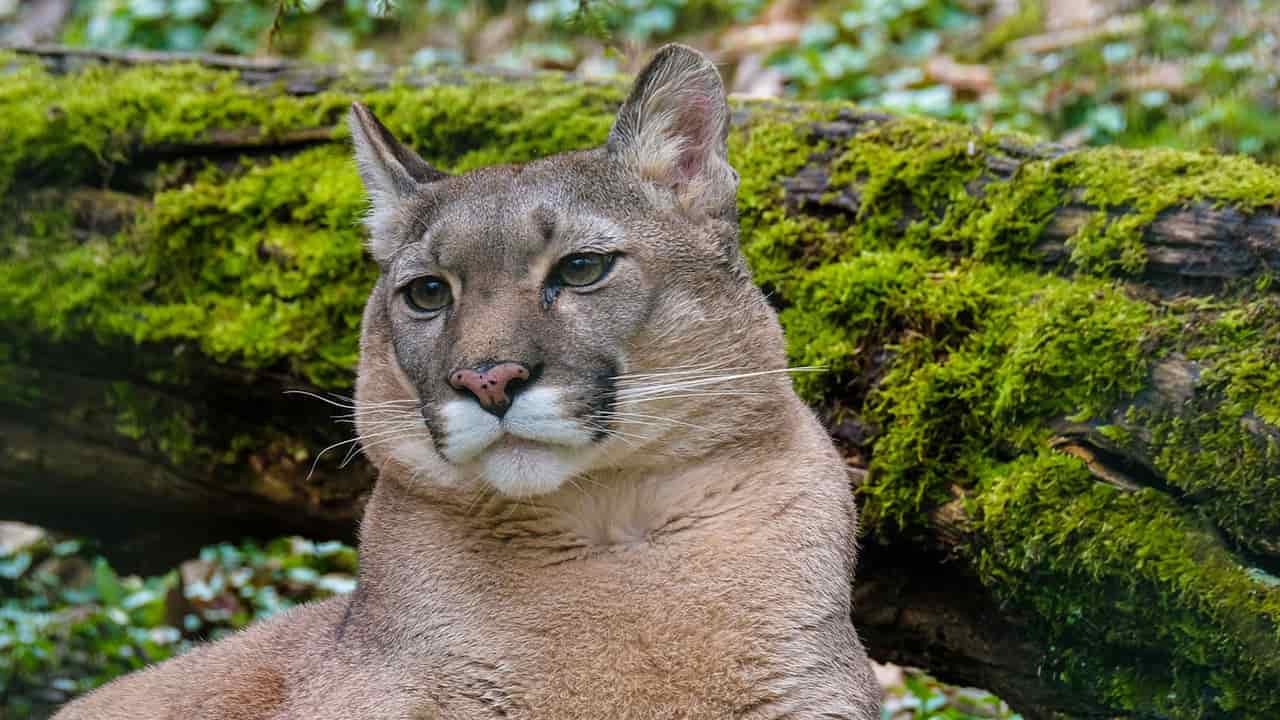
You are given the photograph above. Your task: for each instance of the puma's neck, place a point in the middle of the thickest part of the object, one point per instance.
(467, 550)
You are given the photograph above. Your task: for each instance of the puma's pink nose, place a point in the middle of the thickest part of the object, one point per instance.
(494, 386)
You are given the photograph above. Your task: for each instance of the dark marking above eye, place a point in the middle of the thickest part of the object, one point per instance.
(545, 220)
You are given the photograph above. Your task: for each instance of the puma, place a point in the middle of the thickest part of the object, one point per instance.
(599, 495)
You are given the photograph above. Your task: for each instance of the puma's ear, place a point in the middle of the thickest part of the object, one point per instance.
(389, 169)
(391, 173)
(672, 130)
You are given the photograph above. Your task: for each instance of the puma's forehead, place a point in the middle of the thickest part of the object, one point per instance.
(587, 176)
(505, 218)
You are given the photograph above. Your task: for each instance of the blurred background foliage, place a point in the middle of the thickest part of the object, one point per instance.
(1195, 75)
(1190, 74)
(69, 623)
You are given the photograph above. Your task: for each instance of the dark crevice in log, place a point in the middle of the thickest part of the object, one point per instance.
(68, 438)
(225, 149)
(236, 142)
(913, 607)
(1109, 462)
(1128, 470)
(47, 466)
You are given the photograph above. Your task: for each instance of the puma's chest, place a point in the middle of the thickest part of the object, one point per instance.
(621, 672)
(710, 659)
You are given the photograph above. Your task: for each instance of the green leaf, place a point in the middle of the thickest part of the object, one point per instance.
(148, 9)
(110, 591)
(11, 568)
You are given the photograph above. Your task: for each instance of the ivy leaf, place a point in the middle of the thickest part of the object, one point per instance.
(12, 568)
(110, 591)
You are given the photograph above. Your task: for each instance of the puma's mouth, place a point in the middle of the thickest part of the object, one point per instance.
(535, 418)
(533, 448)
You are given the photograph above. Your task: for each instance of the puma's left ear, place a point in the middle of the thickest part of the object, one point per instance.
(672, 131)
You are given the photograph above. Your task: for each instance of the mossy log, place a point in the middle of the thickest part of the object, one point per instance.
(1055, 372)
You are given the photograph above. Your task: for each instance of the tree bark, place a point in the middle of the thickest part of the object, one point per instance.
(160, 438)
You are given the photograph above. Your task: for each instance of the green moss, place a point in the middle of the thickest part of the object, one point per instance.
(778, 244)
(906, 168)
(62, 128)
(927, 184)
(1241, 346)
(1228, 466)
(1221, 444)
(149, 421)
(1149, 612)
(842, 310)
(1141, 185)
(486, 121)
(258, 267)
(1071, 349)
(1038, 350)
(84, 123)
(984, 356)
(985, 359)
(17, 388)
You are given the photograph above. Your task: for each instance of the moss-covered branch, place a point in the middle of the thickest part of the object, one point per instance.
(1059, 369)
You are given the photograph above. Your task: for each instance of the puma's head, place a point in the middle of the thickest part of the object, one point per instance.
(535, 323)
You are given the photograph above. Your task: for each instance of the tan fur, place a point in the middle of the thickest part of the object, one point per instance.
(691, 560)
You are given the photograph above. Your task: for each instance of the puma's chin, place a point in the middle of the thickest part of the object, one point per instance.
(522, 468)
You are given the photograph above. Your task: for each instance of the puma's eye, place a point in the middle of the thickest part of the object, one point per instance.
(583, 269)
(428, 294)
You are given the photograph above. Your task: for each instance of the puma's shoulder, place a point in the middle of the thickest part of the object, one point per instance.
(247, 676)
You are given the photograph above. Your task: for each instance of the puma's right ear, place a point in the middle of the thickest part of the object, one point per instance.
(391, 173)
(672, 130)
(389, 169)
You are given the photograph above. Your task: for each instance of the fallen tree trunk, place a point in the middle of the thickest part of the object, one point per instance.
(1055, 373)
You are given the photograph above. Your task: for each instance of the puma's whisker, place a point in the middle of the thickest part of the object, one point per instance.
(652, 420)
(701, 381)
(362, 447)
(341, 401)
(689, 395)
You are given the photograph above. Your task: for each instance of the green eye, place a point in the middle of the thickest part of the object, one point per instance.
(428, 294)
(583, 269)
